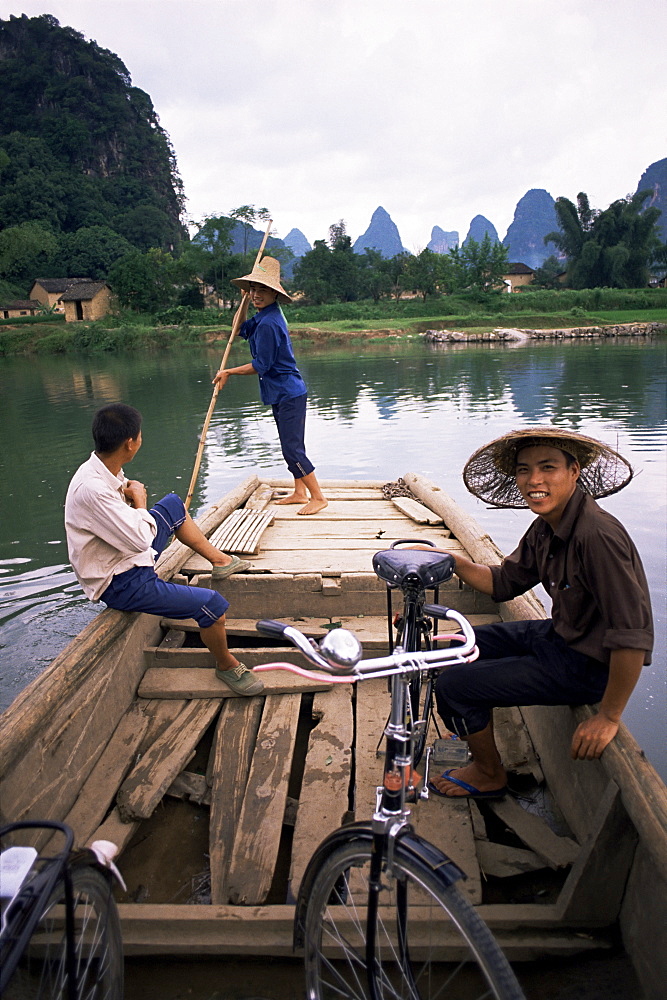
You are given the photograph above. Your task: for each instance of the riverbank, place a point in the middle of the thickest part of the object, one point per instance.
(515, 335)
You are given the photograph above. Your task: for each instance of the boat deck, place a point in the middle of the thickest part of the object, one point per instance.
(247, 788)
(217, 802)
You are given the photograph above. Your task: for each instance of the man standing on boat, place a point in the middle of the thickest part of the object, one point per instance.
(280, 382)
(600, 634)
(113, 541)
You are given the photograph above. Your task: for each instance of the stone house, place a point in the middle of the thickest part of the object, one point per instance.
(86, 300)
(19, 307)
(49, 291)
(516, 276)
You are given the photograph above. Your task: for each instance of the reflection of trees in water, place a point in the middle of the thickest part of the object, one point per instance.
(47, 404)
(577, 381)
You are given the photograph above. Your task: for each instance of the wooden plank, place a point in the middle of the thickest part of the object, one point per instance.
(174, 639)
(153, 929)
(105, 778)
(558, 852)
(323, 801)
(503, 861)
(148, 781)
(260, 499)
(514, 743)
(116, 830)
(190, 786)
(233, 746)
(447, 824)
(594, 888)
(260, 824)
(201, 682)
(241, 531)
(415, 510)
(372, 712)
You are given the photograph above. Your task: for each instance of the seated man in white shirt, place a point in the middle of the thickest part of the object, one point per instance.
(114, 540)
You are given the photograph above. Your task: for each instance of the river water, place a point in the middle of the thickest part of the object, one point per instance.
(375, 412)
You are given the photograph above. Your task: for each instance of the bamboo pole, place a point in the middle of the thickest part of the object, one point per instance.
(236, 323)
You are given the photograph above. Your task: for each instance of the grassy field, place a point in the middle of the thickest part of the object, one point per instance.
(340, 321)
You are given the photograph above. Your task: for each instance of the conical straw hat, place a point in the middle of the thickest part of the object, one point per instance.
(490, 472)
(266, 272)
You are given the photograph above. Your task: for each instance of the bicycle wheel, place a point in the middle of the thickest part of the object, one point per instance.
(97, 945)
(429, 941)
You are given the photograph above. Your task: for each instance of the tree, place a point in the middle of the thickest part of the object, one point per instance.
(26, 251)
(209, 253)
(396, 268)
(423, 272)
(145, 282)
(248, 215)
(312, 273)
(91, 251)
(547, 276)
(374, 280)
(611, 248)
(479, 266)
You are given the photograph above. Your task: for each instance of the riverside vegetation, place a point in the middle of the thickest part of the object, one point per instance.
(363, 320)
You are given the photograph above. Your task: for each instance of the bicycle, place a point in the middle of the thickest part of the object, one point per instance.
(60, 933)
(378, 911)
(414, 628)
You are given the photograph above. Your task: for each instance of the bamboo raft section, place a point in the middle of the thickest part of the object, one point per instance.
(217, 802)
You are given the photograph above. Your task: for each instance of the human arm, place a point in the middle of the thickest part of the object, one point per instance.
(594, 734)
(221, 376)
(135, 493)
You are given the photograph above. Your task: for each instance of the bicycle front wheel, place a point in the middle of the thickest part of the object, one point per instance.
(97, 952)
(428, 940)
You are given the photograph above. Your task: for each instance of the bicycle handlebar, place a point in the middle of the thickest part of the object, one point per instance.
(339, 653)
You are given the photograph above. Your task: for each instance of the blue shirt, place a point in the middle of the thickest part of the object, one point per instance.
(272, 355)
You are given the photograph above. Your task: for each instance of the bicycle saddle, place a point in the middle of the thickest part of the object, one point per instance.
(394, 566)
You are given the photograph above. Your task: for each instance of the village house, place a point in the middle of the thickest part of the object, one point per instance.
(90, 300)
(517, 276)
(49, 291)
(19, 307)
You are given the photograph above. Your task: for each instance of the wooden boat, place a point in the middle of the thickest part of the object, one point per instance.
(217, 802)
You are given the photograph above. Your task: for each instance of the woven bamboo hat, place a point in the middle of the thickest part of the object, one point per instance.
(267, 273)
(490, 473)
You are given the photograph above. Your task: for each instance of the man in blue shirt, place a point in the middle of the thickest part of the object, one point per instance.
(280, 382)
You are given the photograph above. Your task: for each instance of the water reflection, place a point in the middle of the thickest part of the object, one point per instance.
(372, 415)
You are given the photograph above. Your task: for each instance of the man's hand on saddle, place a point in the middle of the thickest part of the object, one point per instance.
(135, 494)
(592, 736)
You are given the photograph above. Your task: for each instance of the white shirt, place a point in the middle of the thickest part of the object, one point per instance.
(105, 536)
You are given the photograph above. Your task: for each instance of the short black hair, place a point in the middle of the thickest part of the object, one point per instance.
(114, 424)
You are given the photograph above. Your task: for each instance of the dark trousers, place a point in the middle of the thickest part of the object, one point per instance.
(520, 663)
(290, 418)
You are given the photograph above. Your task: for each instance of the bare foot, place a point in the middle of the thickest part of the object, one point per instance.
(293, 498)
(313, 507)
(472, 776)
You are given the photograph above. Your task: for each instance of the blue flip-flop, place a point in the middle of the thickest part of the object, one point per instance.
(473, 793)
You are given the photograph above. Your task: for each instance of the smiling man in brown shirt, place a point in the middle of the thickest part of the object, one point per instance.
(600, 634)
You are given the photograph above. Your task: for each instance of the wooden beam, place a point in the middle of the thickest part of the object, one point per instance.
(143, 789)
(557, 852)
(594, 889)
(260, 824)
(200, 682)
(233, 745)
(326, 782)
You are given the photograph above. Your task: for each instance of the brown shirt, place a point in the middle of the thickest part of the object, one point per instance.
(592, 571)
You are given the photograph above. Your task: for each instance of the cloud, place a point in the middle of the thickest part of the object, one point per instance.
(436, 109)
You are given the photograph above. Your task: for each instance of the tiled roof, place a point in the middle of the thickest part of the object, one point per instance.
(59, 284)
(519, 269)
(83, 291)
(21, 304)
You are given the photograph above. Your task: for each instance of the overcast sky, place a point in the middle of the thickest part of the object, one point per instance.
(438, 110)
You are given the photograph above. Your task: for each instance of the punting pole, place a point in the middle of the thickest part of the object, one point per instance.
(211, 406)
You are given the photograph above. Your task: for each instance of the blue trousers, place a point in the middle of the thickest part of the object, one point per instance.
(520, 663)
(290, 418)
(141, 589)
